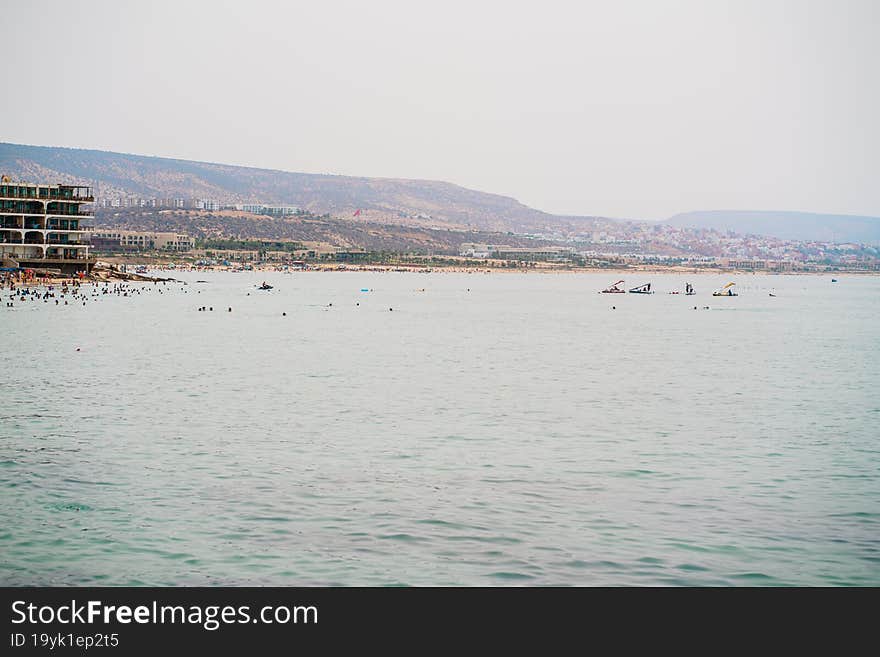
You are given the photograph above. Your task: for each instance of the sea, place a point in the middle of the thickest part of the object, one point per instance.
(449, 429)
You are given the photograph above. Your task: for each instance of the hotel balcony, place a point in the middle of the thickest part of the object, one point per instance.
(67, 243)
(63, 224)
(50, 233)
(69, 212)
(76, 193)
(35, 237)
(19, 251)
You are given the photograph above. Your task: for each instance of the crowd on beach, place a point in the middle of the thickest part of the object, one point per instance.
(29, 291)
(319, 267)
(16, 288)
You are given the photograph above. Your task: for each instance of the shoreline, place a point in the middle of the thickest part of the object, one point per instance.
(170, 265)
(115, 274)
(433, 269)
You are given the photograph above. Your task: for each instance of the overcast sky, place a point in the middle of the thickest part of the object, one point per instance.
(640, 108)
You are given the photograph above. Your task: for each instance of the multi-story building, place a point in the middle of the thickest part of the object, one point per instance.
(207, 204)
(271, 210)
(40, 225)
(144, 241)
(504, 252)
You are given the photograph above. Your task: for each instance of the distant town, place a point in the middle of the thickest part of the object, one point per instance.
(70, 227)
(197, 204)
(615, 244)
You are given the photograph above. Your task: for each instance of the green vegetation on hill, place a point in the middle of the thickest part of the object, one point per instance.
(248, 245)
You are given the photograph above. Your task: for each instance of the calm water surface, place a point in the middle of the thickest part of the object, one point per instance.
(491, 429)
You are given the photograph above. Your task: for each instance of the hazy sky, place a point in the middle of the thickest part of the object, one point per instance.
(639, 108)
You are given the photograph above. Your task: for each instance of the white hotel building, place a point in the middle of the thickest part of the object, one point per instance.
(40, 225)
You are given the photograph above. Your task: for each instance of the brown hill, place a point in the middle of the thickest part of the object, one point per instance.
(412, 202)
(339, 232)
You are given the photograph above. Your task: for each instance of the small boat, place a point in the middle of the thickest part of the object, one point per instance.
(613, 289)
(689, 290)
(642, 289)
(726, 291)
(772, 295)
(833, 280)
(264, 286)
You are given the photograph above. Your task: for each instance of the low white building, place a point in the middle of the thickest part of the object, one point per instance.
(271, 210)
(505, 252)
(133, 239)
